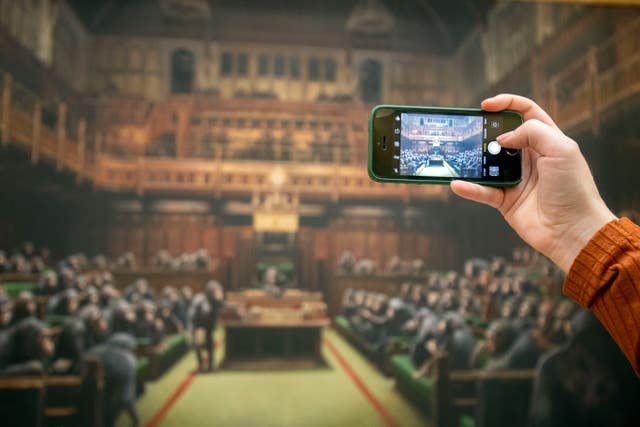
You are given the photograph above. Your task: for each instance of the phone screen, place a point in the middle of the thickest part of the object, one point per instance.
(441, 146)
(437, 145)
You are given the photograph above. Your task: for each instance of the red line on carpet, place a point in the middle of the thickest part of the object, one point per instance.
(168, 404)
(381, 410)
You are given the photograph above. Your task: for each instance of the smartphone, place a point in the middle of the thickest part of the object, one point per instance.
(437, 145)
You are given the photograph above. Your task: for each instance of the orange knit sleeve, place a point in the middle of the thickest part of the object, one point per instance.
(605, 277)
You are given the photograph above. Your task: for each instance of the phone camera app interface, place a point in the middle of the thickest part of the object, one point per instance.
(441, 145)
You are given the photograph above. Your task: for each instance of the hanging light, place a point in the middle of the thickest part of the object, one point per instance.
(186, 10)
(370, 17)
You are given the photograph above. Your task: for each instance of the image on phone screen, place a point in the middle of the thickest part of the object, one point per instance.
(441, 145)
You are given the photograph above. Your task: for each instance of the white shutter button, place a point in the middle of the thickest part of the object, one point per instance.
(494, 147)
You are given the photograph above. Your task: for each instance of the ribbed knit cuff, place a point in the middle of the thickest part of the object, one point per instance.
(591, 271)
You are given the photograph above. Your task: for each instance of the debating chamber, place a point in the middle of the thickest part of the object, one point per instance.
(189, 235)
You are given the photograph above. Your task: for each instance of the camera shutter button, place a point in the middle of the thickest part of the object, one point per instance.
(494, 147)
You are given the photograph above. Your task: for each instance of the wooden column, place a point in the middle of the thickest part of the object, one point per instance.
(181, 134)
(61, 134)
(592, 69)
(537, 81)
(97, 145)
(35, 137)
(140, 176)
(6, 108)
(277, 151)
(335, 154)
(553, 99)
(82, 131)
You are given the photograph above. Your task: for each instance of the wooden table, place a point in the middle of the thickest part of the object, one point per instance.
(268, 340)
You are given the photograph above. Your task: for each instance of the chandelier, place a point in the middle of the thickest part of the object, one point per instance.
(370, 17)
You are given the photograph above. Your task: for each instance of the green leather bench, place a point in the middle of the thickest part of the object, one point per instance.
(419, 390)
(342, 325)
(165, 354)
(14, 288)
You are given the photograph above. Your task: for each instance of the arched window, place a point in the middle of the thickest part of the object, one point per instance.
(182, 70)
(370, 81)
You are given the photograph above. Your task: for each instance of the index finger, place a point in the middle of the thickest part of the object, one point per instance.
(525, 106)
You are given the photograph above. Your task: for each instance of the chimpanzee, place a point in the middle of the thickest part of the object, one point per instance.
(70, 346)
(171, 323)
(500, 336)
(24, 306)
(395, 266)
(118, 358)
(138, 289)
(451, 338)
(5, 267)
(586, 382)
(20, 264)
(365, 267)
(96, 325)
(527, 312)
(417, 266)
(64, 303)
(100, 262)
(5, 310)
(392, 322)
(48, 284)
(528, 348)
(203, 317)
(108, 294)
(90, 296)
(202, 259)
(427, 329)
(66, 277)
(404, 292)
(372, 319)
(146, 323)
(127, 261)
(417, 297)
(346, 262)
(25, 348)
(123, 319)
(177, 305)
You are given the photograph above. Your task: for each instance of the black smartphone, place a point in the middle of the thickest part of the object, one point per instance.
(437, 145)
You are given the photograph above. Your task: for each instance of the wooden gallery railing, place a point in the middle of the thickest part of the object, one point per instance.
(577, 96)
(606, 75)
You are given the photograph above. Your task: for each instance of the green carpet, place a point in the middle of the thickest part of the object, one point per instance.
(324, 397)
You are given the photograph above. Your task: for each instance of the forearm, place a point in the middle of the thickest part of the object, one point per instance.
(605, 277)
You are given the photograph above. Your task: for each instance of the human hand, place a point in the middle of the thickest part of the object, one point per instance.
(556, 208)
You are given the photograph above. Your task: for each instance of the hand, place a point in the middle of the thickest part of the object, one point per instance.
(556, 208)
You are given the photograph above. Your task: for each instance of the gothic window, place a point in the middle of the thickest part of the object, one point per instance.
(278, 66)
(330, 70)
(314, 69)
(370, 81)
(263, 65)
(294, 67)
(182, 71)
(243, 64)
(226, 65)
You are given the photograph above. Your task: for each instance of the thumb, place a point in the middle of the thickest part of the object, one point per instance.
(538, 136)
(491, 196)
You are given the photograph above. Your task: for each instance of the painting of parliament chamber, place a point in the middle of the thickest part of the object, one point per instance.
(189, 237)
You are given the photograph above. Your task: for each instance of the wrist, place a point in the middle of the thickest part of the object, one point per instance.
(577, 237)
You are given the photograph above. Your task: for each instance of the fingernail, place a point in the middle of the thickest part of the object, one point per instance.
(504, 136)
